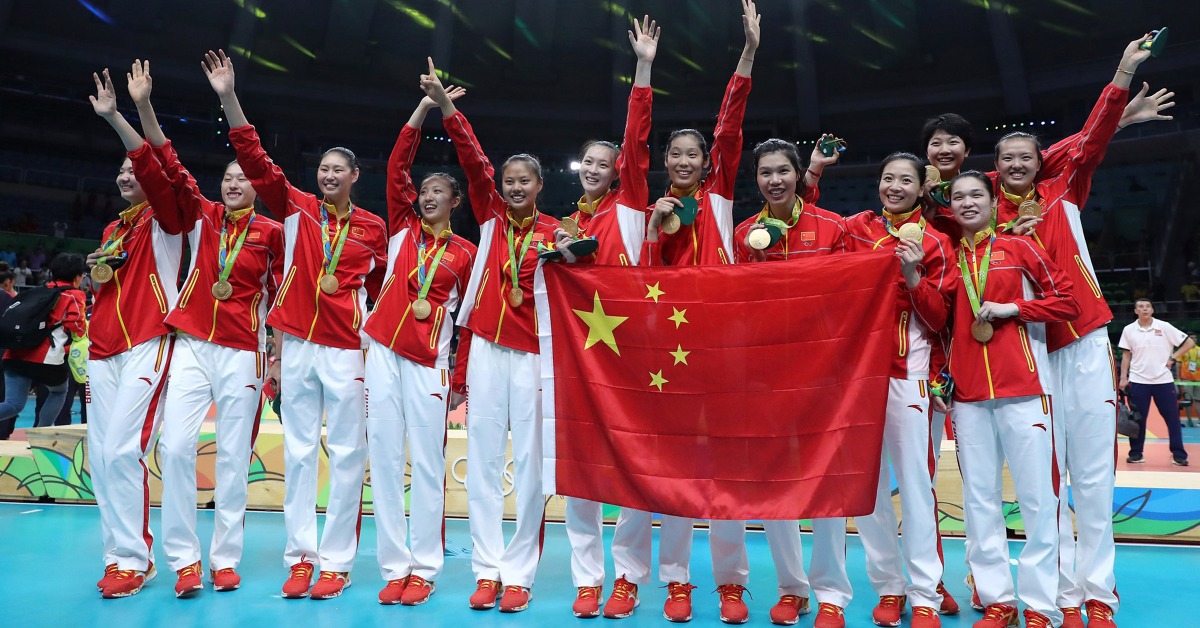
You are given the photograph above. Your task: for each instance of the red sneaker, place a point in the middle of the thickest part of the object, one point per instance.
(829, 616)
(975, 602)
(485, 595)
(733, 609)
(225, 579)
(297, 584)
(1072, 617)
(789, 609)
(110, 570)
(392, 592)
(1100, 615)
(623, 600)
(679, 602)
(329, 585)
(515, 600)
(925, 617)
(125, 583)
(189, 583)
(997, 616)
(1034, 619)
(417, 592)
(949, 604)
(587, 602)
(889, 610)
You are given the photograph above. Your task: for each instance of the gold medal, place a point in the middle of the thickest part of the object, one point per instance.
(222, 290)
(671, 224)
(932, 174)
(911, 231)
(102, 273)
(759, 239)
(329, 284)
(982, 331)
(569, 225)
(516, 297)
(421, 309)
(1030, 208)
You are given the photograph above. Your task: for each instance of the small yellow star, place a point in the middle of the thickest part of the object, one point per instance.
(656, 379)
(679, 354)
(678, 317)
(600, 325)
(654, 292)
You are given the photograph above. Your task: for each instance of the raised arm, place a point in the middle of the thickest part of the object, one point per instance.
(750, 20)
(401, 192)
(104, 103)
(140, 86)
(188, 198)
(634, 162)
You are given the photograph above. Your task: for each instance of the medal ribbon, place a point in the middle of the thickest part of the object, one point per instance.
(225, 258)
(767, 219)
(333, 253)
(425, 278)
(970, 281)
(514, 261)
(900, 218)
(115, 239)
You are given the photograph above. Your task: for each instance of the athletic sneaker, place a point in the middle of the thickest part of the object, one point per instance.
(829, 616)
(189, 582)
(998, 616)
(1034, 619)
(975, 603)
(1179, 462)
(733, 609)
(515, 600)
(485, 595)
(925, 617)
(889, 610)
(110, 570)
(678, 607)
(127, 582)
(623, 600)
(297, 584)
(1135, 459)
(1100, 615)
(329, 585)
(1072, 617)
(393, 591)
(949, 604)
(226, 579)
(789, 609)
(417, 592)
(587, 602)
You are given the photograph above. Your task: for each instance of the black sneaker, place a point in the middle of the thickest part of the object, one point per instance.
(1135, 459)
(1179, 462)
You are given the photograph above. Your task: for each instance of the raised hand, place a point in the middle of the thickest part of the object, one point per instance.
(219, 70)
(454, 92)
(644, 39)
(432, 85)
(750, 20)
(139, 81)
(818, 159)
(1134, 55)
(105, 100)
(1144, 107)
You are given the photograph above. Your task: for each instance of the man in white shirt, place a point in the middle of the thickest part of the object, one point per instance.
(1151, 349)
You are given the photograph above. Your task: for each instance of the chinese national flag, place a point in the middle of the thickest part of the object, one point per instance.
(754, 391)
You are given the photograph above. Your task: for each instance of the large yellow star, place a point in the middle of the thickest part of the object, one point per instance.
(600, 325)
(678, 317)
(653, 292)
(679, 354)
(656, 379)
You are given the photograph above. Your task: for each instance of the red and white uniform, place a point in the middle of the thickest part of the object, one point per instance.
(503, 375)
(322, 359)
(1003, 412)
(907, 437)
(69, 314)
(220, 356)
(1081, 356)
(128, 359)
(408, 377)
(618, 221)
(709, 240)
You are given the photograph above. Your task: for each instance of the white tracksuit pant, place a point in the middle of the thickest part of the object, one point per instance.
(783, 538)
(726, 543)
(124, 398)
(1021, 430)
(504, 387)
(201, 373)
(322, 381)
(827, 571)
(1085, 416)
(407, 404)
(630, 545)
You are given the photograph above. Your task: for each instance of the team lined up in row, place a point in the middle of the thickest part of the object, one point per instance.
(309, 277)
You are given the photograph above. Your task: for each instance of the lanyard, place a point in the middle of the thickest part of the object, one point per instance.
(117, 238)
(892, 232)
(514, 261)
(767, 219)
(425, 278)
(226, 258)
(333, 253)
(976, 283)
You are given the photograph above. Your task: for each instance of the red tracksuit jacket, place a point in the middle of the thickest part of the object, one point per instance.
(816, 232)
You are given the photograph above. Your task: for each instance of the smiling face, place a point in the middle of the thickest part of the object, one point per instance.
(520, 186)
(436, 200)
(236, 190)
(946, 152)
(335, 176)
(686, 161)
(1017, 163)
(972, 203)
(597, 170)
(777, 179)
(899, 186)
(128, 184)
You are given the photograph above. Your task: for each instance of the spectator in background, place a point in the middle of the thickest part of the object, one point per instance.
(37, 261)
(9, 258)
(1151, 350)
(24, 274)
(1189, 375)
(7, 293)
(60, 230)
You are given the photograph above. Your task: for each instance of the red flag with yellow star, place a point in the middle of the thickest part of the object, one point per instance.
(752, 391)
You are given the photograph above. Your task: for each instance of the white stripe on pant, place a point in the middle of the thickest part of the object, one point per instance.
(203, 372)
(406, 404)
(1019, 429)
(319, 380)
(504, 388)
(124, 401)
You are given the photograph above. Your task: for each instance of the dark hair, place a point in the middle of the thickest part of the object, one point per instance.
(699, 137)
(455, 188)
(616, 182)
(533, 163)
(6, 273)
(1141, 299)
(977, 175)
(345, 152)
(951, 123)
(67, 266)
(776, 145)
(1021, 135)
(917, 163)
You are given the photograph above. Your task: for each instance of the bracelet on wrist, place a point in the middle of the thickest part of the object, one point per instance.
(750, 59)
(1124, 71)
(814, 174)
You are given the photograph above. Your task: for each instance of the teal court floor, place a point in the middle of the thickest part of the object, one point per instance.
(51, 563)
